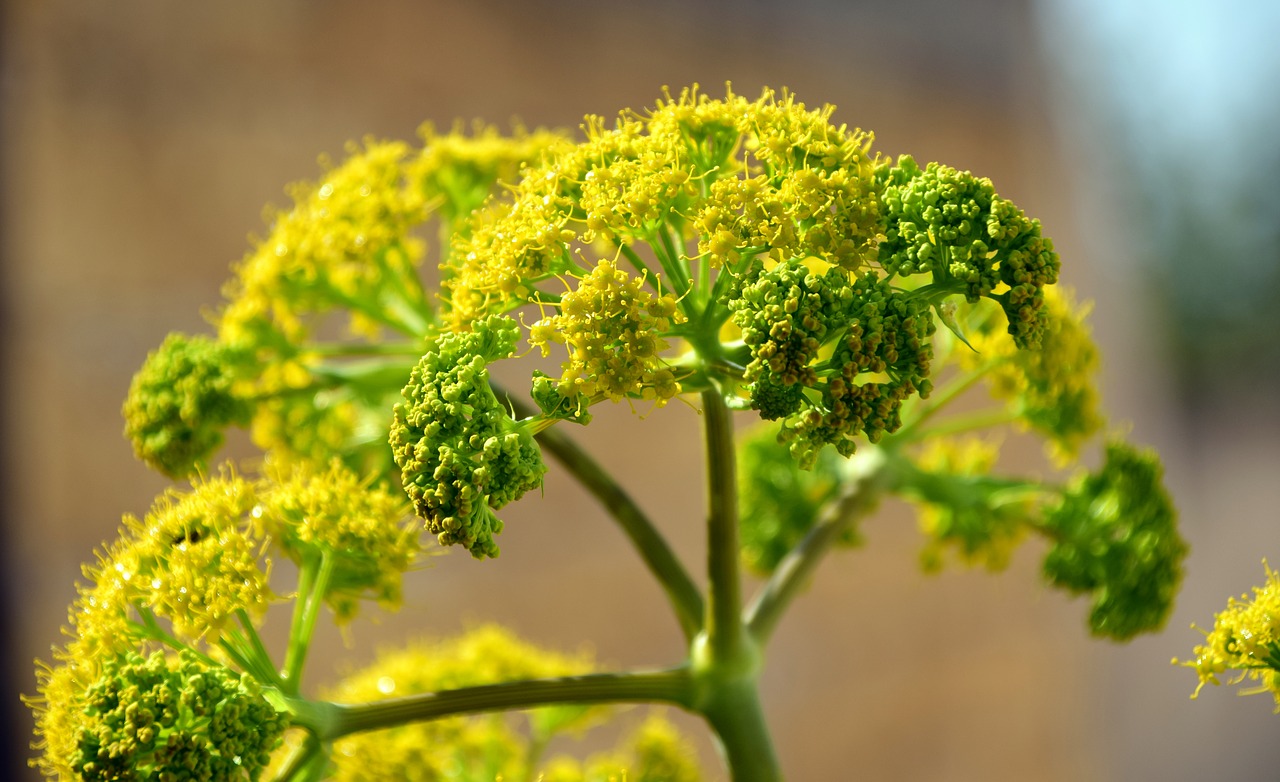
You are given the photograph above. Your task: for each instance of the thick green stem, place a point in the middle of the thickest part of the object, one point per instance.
(330, 721)
(724, 592)
(738, 721)
(859, 495)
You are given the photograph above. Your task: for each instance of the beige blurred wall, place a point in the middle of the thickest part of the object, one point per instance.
(143, 139)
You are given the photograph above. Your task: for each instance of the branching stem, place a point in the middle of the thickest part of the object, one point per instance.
(330, 721)
(858, 496)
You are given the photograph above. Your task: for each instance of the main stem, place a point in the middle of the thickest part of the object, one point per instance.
(726, 661)
(725, 634)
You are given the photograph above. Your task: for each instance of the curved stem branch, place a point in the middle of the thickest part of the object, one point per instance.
(682, 592)
(857, 497)
(331, 721)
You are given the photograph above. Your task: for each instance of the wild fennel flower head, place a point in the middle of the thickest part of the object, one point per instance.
(734, 175)
(1115, 537)
(952, 225)
(833, 356)
(196, 558)
(158, 717)
(459, 452)
(829, 261)
(180, 402)
(1245, 640)
(612, 329)
(343, 236)
(358, 526)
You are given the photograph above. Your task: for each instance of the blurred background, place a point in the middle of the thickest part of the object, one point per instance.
(142, 139)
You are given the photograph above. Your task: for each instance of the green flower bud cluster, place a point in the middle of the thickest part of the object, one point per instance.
(173, 719)
(953, 225)
(787, 315)
(460, 454)
(779, 503)
(833, 357)
(1115, 536)
(180, 402)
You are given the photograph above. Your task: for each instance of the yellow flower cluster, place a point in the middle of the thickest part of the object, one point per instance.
(346, 237)
(194, 559)
(193, 574)
(735, 175)
(459, 170)
(1051, 388)
(805, 189)
(484, 747)
(296, 423)
(656, 753)
(359, 525)
(1245, 639)
(613, 330)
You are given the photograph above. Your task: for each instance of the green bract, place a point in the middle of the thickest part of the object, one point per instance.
(459, 452)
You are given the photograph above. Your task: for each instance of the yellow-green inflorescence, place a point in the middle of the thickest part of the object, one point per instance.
(750, 250)
(1115, 537)
(780, 503)
(186, 587)
(347, 250)
(460, 453)
(1244, 642)
(181, 401)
